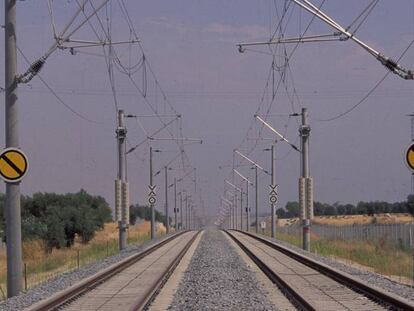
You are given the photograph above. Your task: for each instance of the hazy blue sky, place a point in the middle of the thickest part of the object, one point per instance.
(191, 46)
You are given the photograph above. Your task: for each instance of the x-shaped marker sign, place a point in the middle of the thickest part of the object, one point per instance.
(273, 190)
(152, 191)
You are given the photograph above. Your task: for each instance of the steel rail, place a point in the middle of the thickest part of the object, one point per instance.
(153, 291)
(284, 287)
(70, 294)
(376, 294)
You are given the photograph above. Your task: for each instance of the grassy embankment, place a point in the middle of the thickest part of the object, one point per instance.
(41, 266)
(376, 255)
(381, 258)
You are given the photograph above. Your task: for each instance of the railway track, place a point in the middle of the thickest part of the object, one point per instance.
(128, 285)
(311, 285)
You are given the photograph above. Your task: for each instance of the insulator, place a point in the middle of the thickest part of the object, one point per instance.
(36, 66)
(125, 203)
(302, 203)
(117, 200)
(309, 197)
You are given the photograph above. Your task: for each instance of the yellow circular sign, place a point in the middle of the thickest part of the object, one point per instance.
(13, 165)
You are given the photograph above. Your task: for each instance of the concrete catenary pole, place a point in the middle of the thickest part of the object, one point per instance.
(12, 204)
(190, 209)
(152, 205)
(412, 192)
(186, 212)
(256, 199)
(121, 136)
(247, 207)
(175, 204)
(167, 216)
(236, 219)
(181, 210)
(191, 217)
(235, 208)
(273, 182)
(241, 208)
(305, 183)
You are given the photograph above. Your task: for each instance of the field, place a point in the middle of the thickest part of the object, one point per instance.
(380, 254)
(385, 259)
(348, 220)
(39, 266)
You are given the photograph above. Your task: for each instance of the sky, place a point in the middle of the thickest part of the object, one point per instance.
(191, 46)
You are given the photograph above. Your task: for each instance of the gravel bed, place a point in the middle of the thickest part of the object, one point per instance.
(67, 279)
(218, 279)
(368, 276)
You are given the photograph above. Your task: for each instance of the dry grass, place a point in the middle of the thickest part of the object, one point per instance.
(41, 266)
(376, 256)
(349, 220)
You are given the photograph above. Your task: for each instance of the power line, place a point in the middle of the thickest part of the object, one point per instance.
(367, 11)
(57, 96)
(130, 71)
(368, 94)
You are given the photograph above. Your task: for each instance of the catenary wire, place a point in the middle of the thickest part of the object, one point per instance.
(371, 91)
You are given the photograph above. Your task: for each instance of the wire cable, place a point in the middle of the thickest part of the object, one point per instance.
(57, 96)
(368, 94)
(367, 11)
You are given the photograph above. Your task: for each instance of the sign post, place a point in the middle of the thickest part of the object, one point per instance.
(13, 167)
(263, 226)
(409, 161)
(273, 198)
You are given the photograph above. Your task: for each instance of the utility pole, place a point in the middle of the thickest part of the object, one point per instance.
(412, 141)
(190, 226)
(152, 204)
(191, 217)
(273, 182)
(305, 182)
(12, 204)
(231, 217)
(190, 203)
(256, 199)
(175, 204)
(247, 207)
(167, 217)
(186, 211)
(236, 218)
(121, 187)
(181, 210)
(241, 208)
(412, 188)
(234, 209)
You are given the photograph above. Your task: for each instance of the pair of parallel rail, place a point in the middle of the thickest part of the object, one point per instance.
(85, 290)
(272, 258)
(263, 252)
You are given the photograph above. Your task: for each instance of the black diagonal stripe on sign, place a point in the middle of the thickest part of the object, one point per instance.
(13, 166)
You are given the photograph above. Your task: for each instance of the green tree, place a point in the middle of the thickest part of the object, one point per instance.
(293, 209)
(281, 213)
(54, 236)
(143, 212)
(410, 204)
